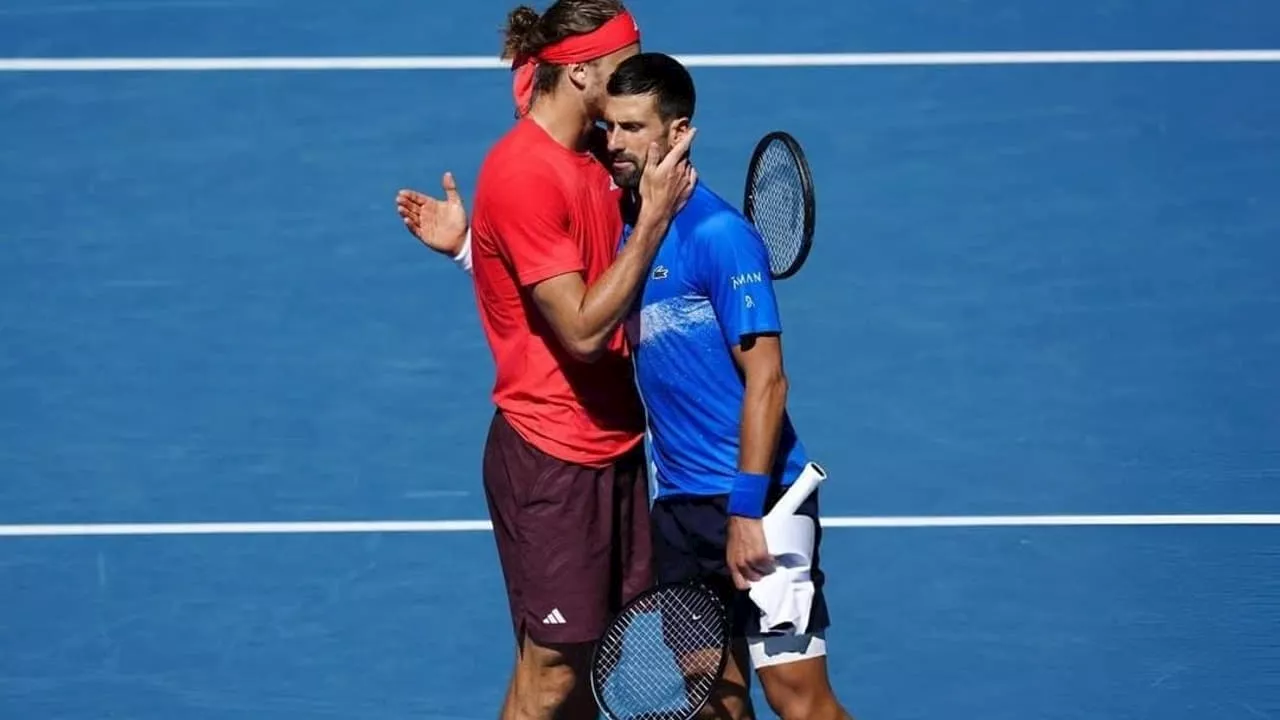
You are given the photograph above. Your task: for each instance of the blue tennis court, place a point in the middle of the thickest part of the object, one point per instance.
(1036, 290)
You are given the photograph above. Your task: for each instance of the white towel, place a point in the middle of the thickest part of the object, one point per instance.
(785, 596)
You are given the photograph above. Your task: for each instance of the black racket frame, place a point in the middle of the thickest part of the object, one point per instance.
(806, 189)
(722, 617)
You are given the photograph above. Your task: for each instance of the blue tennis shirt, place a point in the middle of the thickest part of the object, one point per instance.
(708, 286)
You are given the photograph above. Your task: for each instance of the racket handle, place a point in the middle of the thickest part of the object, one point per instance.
(810, 478)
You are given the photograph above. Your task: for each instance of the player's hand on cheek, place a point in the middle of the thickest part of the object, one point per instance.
(747, 553)
(682, 146)
(440, 224)
(666, 183)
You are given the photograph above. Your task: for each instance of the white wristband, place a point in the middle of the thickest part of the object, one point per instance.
(463, 258)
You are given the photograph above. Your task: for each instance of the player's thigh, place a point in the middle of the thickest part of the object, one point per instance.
(554, 524)
(689, 536)
(765, 649)
(690, 542)
(678, 538)
(796, 683)
(688, 539)
(508, 469)
(792, 667)
(633, 530)
(573, 543)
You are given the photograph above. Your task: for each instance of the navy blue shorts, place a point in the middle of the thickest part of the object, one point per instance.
(689, 539)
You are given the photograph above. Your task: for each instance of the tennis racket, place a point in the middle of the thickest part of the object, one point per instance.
(663, 654)
(779, 201)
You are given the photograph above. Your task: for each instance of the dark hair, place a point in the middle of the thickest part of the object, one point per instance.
(660, 75)
(527, 32)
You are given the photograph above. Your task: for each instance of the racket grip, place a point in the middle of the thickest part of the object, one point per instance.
(810, 478)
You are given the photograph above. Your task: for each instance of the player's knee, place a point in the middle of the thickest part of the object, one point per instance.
(800, 691)
(733, 704)
(731, 701)
(554, 679)
(544, 693)
(550, 678)
(797, 704)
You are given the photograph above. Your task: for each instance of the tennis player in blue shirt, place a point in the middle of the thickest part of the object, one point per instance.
(708, 358)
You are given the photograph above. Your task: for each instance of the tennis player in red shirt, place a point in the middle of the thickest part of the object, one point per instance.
(564, 467)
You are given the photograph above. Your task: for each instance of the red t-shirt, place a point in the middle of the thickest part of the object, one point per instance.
(542, 210)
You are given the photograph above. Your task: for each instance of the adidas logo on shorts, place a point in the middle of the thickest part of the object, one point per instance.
(553, 618)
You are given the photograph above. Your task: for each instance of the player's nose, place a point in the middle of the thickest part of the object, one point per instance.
(614, 140)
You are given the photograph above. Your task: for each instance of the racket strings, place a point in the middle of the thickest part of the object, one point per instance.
(662, 659)
(778, 205)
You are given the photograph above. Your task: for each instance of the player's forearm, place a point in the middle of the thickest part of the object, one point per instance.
(764, 405)
(606, 303)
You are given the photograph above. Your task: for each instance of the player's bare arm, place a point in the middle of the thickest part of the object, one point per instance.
(764, 404)
(584, 317)
(442, 225)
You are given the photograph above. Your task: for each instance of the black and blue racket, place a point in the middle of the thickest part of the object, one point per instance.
(662, 655)
(779, 200)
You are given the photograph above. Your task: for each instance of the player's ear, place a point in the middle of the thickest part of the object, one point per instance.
(579, 75)
(677, 130)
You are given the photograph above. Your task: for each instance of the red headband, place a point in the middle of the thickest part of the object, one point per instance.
(619, 32)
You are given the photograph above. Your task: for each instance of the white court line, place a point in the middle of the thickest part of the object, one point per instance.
(451, 526)
(466, 62)
(1050, 521)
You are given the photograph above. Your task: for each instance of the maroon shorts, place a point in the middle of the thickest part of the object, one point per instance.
(573, 541)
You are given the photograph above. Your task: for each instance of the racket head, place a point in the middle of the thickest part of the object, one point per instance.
(779, 201)
(637, 672)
